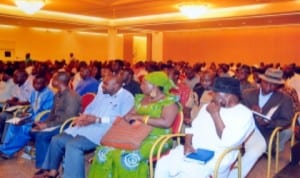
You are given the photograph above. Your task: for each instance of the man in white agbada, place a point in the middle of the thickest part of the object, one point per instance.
(219, 125)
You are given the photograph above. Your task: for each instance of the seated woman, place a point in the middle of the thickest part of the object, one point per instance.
(161, 107)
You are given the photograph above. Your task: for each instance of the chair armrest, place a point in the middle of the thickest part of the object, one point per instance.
(22, 109)
(293, 127)
(221, 157)
(165, 139)
(275, 134)
(68, 121)
(159, 142)
(41, 115)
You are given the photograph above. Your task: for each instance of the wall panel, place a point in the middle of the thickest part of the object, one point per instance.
(247, 45)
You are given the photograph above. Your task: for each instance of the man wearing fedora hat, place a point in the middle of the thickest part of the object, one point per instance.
(219, 125)
(270, 102)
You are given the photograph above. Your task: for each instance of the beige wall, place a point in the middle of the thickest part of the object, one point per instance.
(139, 48)
(246, 45)
(57, 45)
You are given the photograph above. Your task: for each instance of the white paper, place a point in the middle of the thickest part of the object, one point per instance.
(13, 108)
(14, 120)
(49, 129)
(272, 111)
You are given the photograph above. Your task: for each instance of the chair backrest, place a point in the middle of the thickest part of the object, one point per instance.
(177, 124)
(293, 127)
(86, 99)
(236, 164)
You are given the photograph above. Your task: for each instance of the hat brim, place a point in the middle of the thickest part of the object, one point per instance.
(270, 80)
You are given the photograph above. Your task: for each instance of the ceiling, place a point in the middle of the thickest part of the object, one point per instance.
(129, 16)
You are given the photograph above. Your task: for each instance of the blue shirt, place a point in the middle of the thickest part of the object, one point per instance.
(89, 85)
(41, 101)
(106, 107)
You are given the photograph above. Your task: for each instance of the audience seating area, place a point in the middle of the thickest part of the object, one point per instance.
(275, 164)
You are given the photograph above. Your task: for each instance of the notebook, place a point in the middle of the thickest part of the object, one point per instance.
(201, 156)
(269, 115)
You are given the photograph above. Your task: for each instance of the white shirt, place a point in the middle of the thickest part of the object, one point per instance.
(6, 90)
(107, 108)
(23, 92)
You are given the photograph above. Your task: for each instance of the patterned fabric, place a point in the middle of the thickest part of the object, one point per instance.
(115, 163)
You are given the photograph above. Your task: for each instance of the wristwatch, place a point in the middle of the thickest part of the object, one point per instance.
(97, 121)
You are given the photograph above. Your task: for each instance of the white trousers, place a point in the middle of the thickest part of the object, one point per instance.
(254, 148)
(175, 166)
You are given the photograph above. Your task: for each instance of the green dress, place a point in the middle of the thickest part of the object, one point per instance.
(116, 163)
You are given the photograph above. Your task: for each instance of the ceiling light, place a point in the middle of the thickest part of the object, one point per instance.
(7, 26)
(192, 10)
(30, 6)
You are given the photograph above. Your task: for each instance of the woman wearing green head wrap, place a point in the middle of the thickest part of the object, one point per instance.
(161, 109)
(160, 79)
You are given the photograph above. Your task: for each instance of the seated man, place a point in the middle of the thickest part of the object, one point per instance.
(67, 104)
(221, 124)
(268, 101)
(17, 135)
(6, 85)
(128, 83)
(21, 96)
(111, 101)
(87, 84)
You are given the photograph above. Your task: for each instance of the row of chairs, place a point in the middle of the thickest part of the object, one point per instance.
(176, 133)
